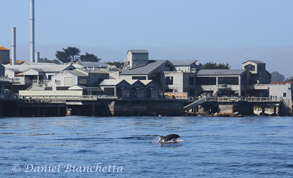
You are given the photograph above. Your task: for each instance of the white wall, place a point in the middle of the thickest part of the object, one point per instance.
(278, 90)
(49, 93)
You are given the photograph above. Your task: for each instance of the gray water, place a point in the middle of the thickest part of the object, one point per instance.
(92, 146)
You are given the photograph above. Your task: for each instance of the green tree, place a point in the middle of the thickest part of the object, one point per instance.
(46, 60)
(68, 54)
(89, 57)
(213, 65)
(290, 79)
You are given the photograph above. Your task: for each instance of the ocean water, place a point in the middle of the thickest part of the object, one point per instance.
(126, 147)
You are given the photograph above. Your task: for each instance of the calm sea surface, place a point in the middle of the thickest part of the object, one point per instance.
(127, 147)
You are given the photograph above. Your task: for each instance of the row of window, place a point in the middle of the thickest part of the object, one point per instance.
(200, 80)
(221, 81)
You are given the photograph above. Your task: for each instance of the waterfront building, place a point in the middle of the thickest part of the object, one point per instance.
(187, 65)
(116, 87)
(222, 82)
(4, 55)
(153, 70)
(131, 89)
(259, 74)
(179, 82)
(152, 89)
(136, 58)
(27, 74)
(282, 90)
(77, 77)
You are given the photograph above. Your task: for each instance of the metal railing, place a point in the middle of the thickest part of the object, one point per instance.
(248, 99)
(222, 99)
(67, 97)
(262, 99)
(9, 97)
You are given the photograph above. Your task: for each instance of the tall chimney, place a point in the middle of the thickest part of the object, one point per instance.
(32, 35)
(37, 57)
(13, 45)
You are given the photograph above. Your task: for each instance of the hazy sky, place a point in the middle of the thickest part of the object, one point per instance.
(206, 30)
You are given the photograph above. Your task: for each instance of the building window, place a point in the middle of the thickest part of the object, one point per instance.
(140, 93)
(109, 91)
(169, 80)
(83, 81)
(191, 80)
(58, 82)
(206, 80)
(250, 67)
(284, 95)
(62, 88)
(125, 93)
(138, 78)
(228, 80)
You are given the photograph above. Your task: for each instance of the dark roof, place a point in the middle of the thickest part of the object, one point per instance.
(137, 51)
(205, 72)
(144, 70)
(255, 61)
(183, 62)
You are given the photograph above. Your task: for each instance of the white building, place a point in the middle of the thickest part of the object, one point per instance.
(136, 58)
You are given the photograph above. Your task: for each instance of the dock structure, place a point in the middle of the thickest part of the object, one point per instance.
(242, 105)
(88, 105)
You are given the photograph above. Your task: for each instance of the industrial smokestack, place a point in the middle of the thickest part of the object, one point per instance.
(13, 45)
(37, 57)
(32, 23)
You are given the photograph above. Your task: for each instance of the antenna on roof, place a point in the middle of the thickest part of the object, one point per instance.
(13, 46)
(32, 31)
(245, 54)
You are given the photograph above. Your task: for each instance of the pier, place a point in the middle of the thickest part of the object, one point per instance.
(94, 105)
(242, 105)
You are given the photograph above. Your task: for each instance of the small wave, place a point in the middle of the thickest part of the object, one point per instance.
(158, 140)
(289, 166)
(84, 151)
(139, 137)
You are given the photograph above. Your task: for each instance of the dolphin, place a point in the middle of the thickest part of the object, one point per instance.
(168, 138)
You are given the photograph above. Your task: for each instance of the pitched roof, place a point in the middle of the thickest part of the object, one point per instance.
(77, 73)
(144, 70)
(146, 82)
(93, 64)
(111, 82)
(205, 72)
(3, 49)
(137, 51)
(40, 67)
(131, 82)
(255, 61)
(183, 62)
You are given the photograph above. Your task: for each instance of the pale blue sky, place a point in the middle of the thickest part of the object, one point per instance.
(207, 30)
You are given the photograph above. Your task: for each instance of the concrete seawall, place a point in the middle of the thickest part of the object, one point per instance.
(20, 108)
